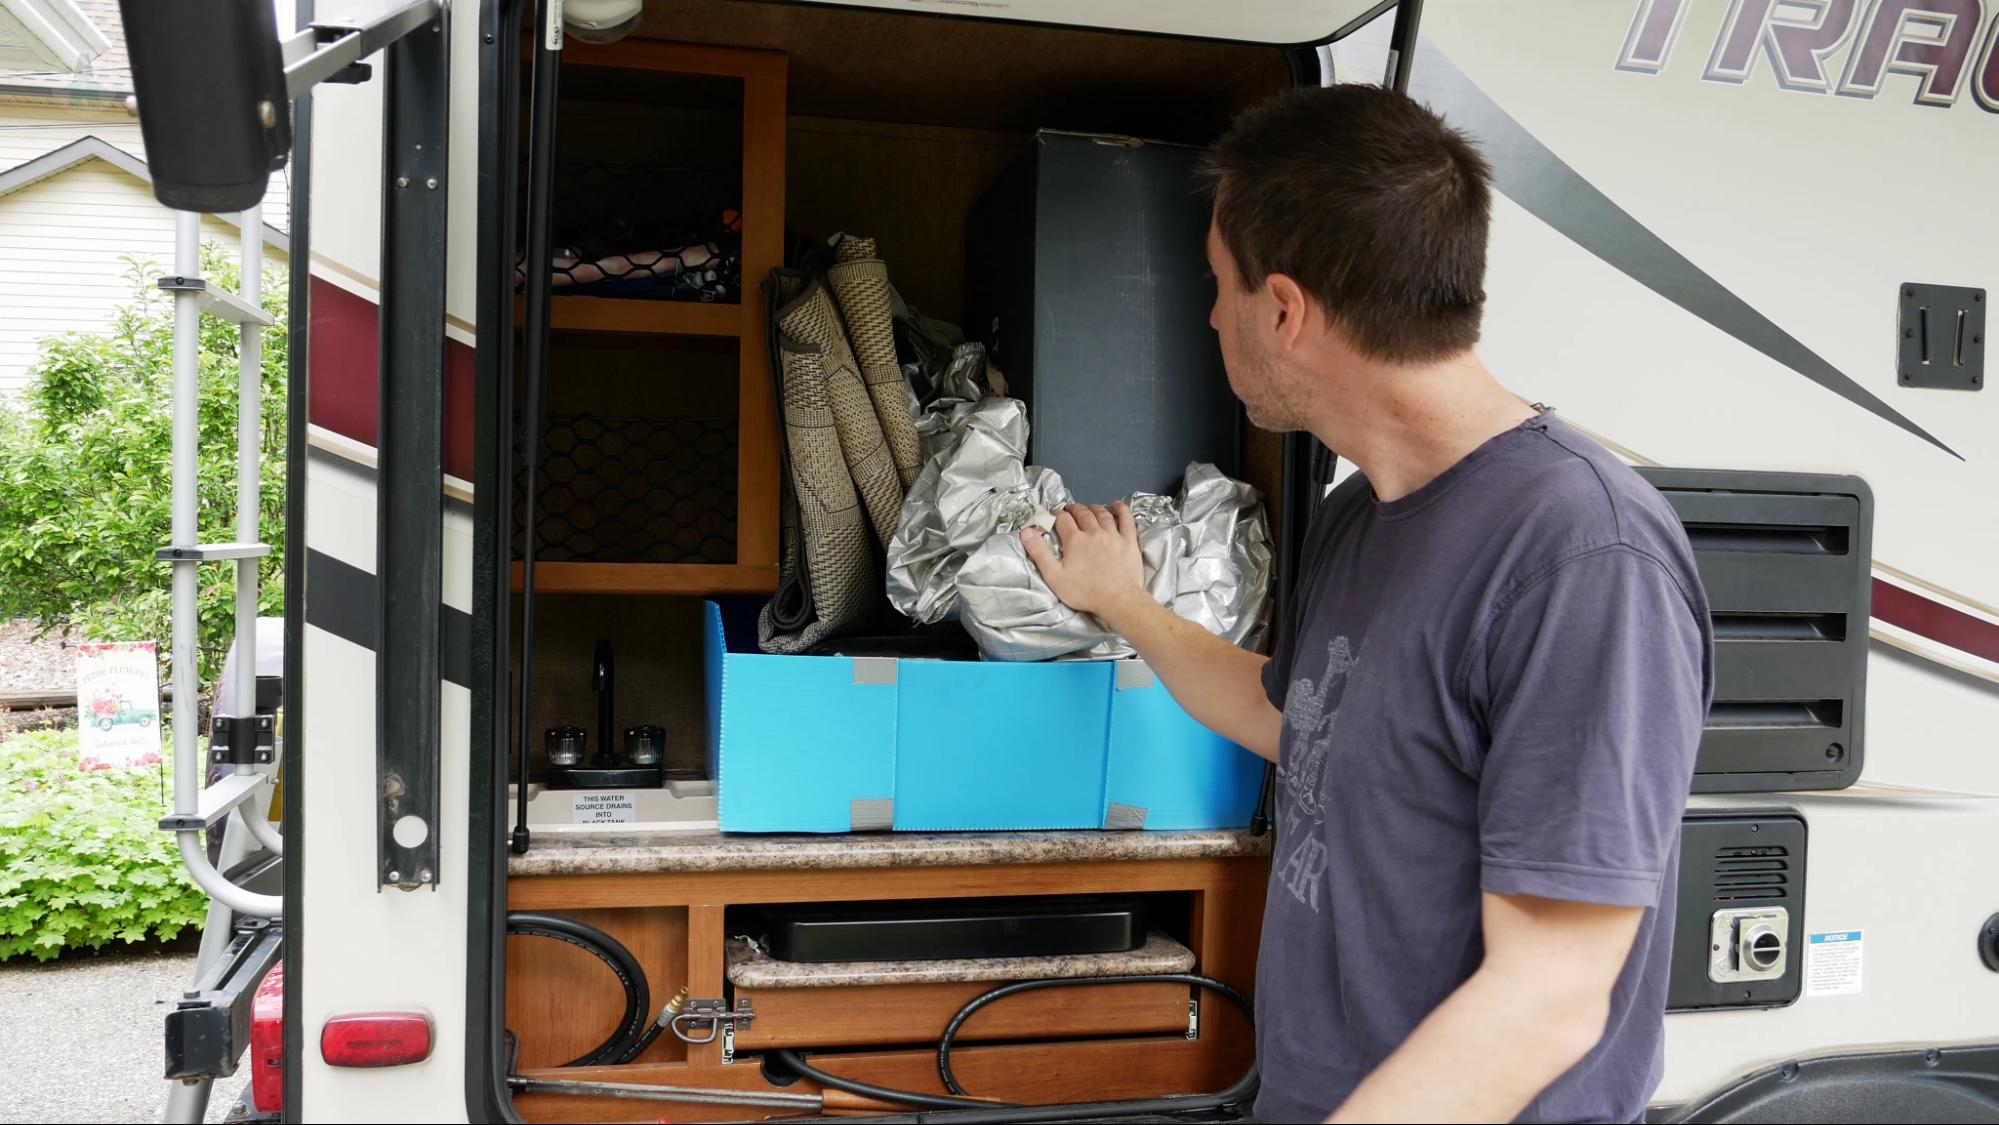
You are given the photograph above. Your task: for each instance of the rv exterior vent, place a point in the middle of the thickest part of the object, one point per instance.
(1750, 874)
(1741, 880)
(1786, 559)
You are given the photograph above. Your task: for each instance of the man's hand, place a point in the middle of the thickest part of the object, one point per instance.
(1100, 568)
(1101, 571)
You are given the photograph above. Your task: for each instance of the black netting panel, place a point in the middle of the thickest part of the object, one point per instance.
(658, 490)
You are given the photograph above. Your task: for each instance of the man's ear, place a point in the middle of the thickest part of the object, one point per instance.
(1294, 310)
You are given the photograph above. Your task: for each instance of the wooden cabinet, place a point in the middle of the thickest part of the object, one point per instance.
(1121, 1041)
(658, 325)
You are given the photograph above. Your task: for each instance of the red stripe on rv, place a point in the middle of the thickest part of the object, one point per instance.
(344, 351)
(1935, 621)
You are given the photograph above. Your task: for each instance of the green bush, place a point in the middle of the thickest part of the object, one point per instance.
(82, 859)
(85, 461)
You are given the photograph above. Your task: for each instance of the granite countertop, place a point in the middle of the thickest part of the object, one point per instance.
(637, 854)
(750, 967)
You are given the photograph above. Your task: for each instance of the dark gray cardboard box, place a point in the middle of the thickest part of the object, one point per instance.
(1087, 281)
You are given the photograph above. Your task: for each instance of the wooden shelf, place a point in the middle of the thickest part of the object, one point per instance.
(651, 318)
(648, 578)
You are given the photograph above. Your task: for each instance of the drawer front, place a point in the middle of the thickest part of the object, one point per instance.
(869, 1015)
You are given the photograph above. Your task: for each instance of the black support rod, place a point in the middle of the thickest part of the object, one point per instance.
(541, 189)
(1408, 14)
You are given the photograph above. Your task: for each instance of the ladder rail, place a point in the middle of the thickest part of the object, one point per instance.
(188, 759)
(249, 485)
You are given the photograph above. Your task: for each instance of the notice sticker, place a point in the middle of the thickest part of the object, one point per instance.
(1832, 964)
(604, 808)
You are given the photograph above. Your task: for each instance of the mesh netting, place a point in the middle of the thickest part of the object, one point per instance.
(705, 271)
(638, 228)
(630, 490)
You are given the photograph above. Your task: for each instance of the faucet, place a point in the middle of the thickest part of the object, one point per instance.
(602, 682)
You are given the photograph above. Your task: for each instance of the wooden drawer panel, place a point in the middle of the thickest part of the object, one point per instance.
(868, 1015)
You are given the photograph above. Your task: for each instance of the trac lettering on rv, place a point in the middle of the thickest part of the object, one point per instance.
(1847, 47)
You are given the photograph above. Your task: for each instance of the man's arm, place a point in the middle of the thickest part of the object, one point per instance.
(1534, 1008)
(1102, 572)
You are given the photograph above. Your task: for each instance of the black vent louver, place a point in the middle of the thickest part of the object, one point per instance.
(1750, 875)
(1786, 561)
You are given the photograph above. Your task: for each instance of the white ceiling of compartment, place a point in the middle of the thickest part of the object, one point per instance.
(1255, 21)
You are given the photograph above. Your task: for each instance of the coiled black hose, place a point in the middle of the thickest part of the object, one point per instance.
(967, 1107)
(632, 1035)
(965, 1013)
(797, 1062)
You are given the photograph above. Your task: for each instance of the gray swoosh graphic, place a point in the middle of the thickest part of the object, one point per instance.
(1557, 194)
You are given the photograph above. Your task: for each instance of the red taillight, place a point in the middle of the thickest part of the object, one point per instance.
(376, 1039)
(267, 1042)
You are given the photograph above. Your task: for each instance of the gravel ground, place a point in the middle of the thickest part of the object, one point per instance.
(27, 664)
(30, 665)
(81, 1036)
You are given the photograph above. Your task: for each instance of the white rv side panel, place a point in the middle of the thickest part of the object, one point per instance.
(1813, 208)
(1896, 866)
(361, 948)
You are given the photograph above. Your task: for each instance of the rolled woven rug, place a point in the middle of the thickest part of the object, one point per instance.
(860, 284)
(826, 581)
(809, 320)
(789, 609)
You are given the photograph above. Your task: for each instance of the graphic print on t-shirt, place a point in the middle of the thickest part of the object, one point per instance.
(1311, 708)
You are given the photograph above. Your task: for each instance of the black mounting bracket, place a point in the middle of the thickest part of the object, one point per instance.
(1940, 337)
(243, 740)
(209, 1026)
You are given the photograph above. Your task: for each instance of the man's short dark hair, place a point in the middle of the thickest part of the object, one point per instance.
(1372, 204)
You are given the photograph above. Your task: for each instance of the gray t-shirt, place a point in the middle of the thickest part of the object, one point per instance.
(1494, 683)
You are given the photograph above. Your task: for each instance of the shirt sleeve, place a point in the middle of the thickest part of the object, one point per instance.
(1595, 686)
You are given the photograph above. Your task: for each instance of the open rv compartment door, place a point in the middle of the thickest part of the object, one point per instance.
(1273, 22)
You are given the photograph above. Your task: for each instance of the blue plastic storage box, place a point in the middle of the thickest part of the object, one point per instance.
(840, 744)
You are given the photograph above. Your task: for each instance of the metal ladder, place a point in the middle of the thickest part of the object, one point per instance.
(241, 940)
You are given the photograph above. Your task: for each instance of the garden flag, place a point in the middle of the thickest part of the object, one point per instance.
(118, 701)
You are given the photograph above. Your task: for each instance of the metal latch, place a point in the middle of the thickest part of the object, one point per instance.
(717, 1019)
(1193, 1019)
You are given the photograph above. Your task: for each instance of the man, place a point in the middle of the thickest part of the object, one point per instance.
(1492, 675)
